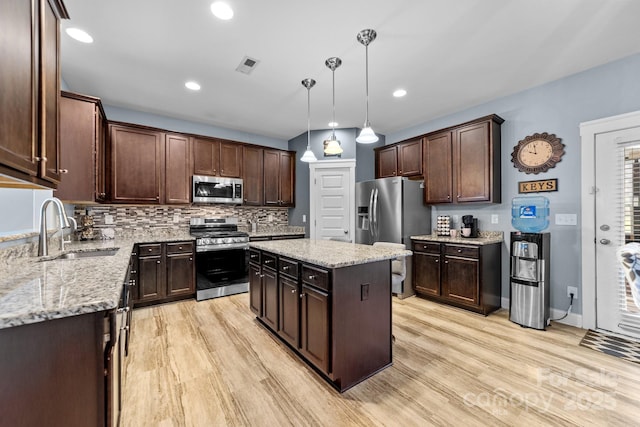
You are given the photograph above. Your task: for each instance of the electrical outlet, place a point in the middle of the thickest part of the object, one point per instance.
(494, 218)
(572, 290)
(566, 219)
(304, 218)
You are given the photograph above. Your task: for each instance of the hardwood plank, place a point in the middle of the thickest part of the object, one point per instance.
(210, 363)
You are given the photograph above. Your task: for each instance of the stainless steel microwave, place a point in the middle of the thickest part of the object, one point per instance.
(214, 189)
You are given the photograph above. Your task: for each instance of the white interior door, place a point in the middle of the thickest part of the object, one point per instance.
(617, 203)
(332, 202)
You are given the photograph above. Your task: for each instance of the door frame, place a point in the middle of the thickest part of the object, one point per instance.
(589, 131)
(323, 165)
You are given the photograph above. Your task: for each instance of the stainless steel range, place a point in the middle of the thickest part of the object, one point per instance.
(222, 257)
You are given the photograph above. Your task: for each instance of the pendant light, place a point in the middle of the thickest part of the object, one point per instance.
(308, 155)
(332, 146)
(367, 136)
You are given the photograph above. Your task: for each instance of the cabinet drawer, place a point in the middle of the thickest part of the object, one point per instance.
(288, 267)
(429, 247)
(150, 249)
(316, 277)
(268, 260)
(179, 248)
(254, 256)
(465, 251)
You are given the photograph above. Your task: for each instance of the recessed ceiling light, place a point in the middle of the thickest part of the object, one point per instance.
(333, 124)
(221, 10)
(192, 85)
(80, 35)
(399, 93)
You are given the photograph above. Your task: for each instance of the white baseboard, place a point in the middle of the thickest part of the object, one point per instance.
(572, 319)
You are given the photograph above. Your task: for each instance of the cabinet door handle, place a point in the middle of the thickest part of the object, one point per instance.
(437, 260)
(40, 159)
(311, 277)
(64, 171)
(424, 247)
(459, 251)
(302, 294)
(150, 249)
(285, 268)
(257, 273)
(293, 291)
(262, 275)
(446, 262)
(158, 262)
(190, 259)
(179, 248)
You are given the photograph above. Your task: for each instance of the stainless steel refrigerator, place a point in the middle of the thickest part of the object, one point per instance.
(391, 210)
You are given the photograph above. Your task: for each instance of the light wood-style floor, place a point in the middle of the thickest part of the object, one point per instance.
(210, 363)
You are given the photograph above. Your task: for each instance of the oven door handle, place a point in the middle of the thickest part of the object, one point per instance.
(223, 247)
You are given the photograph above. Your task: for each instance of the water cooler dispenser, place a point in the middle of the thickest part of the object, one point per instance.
(529, 277)
(529, 270)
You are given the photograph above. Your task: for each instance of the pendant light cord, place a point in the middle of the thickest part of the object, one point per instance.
(366, 50)
(333, 119)
(308, 118)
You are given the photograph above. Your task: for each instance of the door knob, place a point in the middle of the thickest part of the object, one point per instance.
(605, 241)
(605, 227)
(346, 231)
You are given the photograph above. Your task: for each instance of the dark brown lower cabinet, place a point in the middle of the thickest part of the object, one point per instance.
(464, 275)
(53, 372)
(166, 272)
(314, 326)
(322, 313)
(269, 297)
(289, 326)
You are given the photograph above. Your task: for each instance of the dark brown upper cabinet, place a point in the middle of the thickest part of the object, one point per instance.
(252, 175)
(136, 164)
(82, 149)
(279, 178)
(403, 159)
(177, 176)
(30, 87)
(214, 157)
(462, 163)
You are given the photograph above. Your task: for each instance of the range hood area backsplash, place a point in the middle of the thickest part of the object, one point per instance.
(111, 221)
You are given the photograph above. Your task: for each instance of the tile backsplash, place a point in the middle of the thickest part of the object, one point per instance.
(119, 220)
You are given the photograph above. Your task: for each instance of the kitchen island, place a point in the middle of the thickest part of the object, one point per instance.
(329, 301)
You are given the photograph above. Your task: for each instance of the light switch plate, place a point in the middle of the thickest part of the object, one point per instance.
(566, 219)
(494, 218)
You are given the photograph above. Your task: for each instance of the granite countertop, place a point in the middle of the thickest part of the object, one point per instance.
(484, 238)
(33, 290)
(288, 230)
(329, 253)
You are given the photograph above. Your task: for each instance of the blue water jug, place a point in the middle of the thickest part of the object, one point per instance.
(530, 214)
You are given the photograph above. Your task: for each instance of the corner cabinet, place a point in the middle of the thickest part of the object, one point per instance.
(82, 149)
(460, 274)
(279, 178)
(403, 159)
(462, 163)
(30, 88)
(320, 313)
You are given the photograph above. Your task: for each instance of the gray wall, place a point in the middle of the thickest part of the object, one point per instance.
(362, 153)
(557, 107)
(177, 125)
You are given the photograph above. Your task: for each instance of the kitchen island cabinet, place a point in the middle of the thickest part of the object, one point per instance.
(458, 271)
(328, 293)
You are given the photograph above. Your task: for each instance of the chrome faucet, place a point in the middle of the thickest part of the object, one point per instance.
(43, 246)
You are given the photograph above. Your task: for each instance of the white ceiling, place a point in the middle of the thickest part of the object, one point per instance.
(448, 55)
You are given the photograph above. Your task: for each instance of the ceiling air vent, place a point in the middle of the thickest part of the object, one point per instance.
(247, 65)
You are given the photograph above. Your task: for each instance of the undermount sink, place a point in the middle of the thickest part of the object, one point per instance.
(85, 254)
